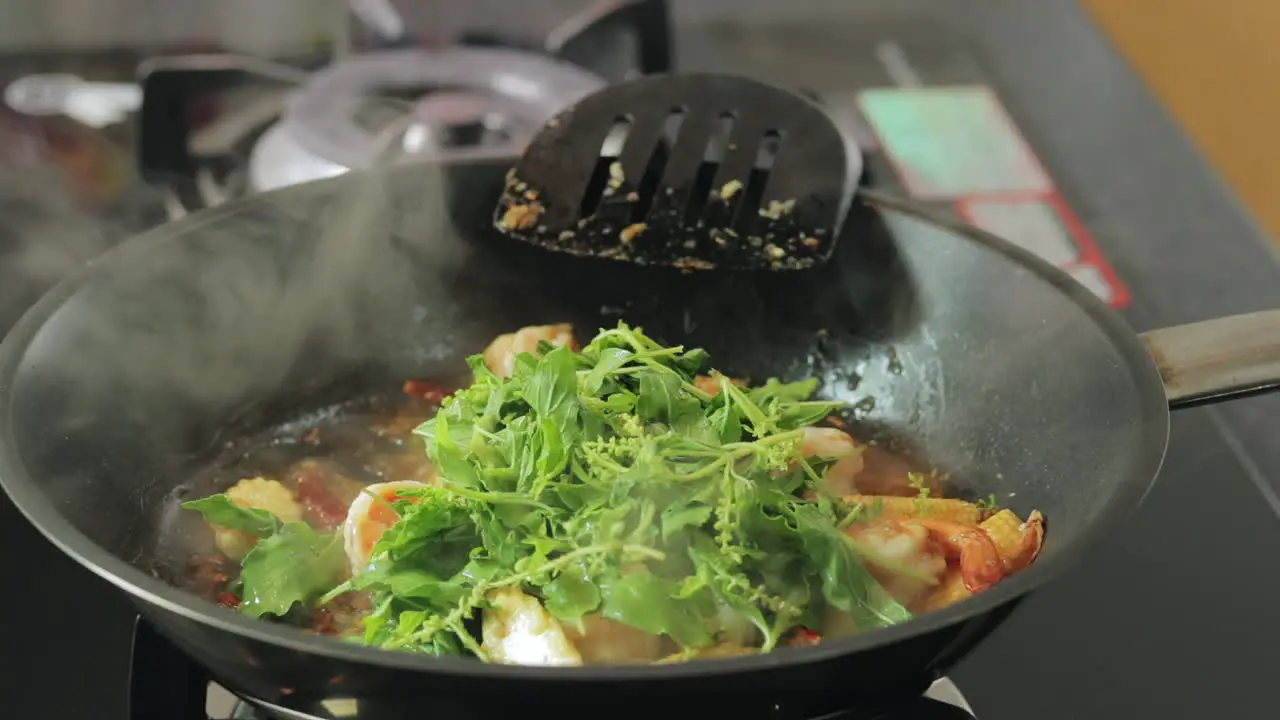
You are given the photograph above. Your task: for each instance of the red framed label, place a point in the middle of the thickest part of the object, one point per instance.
(959, 145)
(1045, 225)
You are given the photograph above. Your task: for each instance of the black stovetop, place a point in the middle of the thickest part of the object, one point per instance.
(1171, 619)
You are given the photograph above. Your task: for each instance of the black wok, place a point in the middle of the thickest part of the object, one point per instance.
(1001, 369)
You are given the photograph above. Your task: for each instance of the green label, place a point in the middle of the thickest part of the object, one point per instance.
(949, 142)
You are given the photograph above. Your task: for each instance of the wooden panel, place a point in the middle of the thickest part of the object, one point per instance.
(1216, 67)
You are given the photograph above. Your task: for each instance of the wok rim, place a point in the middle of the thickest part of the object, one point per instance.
(35, 506)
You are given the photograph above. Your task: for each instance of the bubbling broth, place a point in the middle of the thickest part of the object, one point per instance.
(323, 460)
(616, 503)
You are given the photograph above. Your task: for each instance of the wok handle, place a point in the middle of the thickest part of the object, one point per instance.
(1215, 360)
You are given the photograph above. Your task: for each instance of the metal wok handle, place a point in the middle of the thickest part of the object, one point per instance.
(1215, 360)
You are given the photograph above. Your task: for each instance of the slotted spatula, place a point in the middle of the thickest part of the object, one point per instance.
(695, 171)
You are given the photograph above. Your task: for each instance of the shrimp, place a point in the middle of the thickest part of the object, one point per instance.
(516, 630)
(710, 384)
(832, 444)
(601, 641)
(910, 555)
(500, 356)
(901, 557)
(980, 563)
(368, 517)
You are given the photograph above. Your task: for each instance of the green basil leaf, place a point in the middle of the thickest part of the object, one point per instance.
(662, 398)
(295, 565)
(222, 511)
(570, 595)
(652, 604)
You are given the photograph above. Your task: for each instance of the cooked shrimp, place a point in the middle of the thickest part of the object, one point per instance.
(832, 444)
(604, 641)
(368, 517)
(980, 562)
(707, 384)
(500, 356)
(950, 592)
(922, 546)
(516, 630)
(258, 493)
(901, 545)
(710, 384)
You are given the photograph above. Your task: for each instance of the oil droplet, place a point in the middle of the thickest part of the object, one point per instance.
(895, 363)
(852, 380)
(823, 345)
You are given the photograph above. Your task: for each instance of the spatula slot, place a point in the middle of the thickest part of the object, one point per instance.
(610, 149)
(747, 212)
(690, 170)
(657, 164)
(768, 151)
(712, 156)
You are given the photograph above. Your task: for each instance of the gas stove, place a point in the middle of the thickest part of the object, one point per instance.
(166, 684)
(217, 127)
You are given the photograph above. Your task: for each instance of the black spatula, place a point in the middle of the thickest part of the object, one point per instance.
(691, 170)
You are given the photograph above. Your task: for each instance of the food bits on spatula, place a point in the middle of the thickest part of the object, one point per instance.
(694, 171)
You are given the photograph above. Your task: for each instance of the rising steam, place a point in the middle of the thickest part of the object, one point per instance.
(222, 307)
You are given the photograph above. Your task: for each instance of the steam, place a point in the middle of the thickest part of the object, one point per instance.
(46, 235)
(220, 309)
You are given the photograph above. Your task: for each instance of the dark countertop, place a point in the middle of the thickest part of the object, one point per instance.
(1171, 619)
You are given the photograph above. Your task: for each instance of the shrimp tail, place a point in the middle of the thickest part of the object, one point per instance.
(980, 563)
(979, 570)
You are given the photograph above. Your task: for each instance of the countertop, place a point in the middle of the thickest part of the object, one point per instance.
(1171, 619)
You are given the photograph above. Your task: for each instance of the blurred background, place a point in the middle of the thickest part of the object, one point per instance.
(1215, 67)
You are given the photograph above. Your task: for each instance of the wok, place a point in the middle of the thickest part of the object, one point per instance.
(999, 367)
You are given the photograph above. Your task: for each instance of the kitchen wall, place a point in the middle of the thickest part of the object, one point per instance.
(276, 26)
(1216, 67)
(248, 25)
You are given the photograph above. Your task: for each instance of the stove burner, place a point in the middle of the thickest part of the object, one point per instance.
(465, 119)
(166, 683)
(454, 103)
(478, 100)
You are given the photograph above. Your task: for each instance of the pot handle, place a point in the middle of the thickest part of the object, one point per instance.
(1215, 360)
